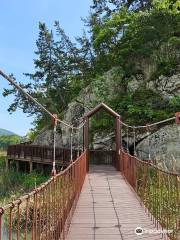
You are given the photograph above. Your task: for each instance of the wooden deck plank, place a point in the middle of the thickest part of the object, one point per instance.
(108, 209)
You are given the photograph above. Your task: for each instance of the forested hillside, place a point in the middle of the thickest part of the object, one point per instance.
(8, 140)
(138, 42)
(6, 132)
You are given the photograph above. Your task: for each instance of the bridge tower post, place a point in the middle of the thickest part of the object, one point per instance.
(86, 140)
(117, 131)
(118, 142)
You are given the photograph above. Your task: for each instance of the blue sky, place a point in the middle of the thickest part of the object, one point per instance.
(18, 32)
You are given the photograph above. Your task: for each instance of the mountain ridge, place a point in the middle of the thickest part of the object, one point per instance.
(5, 132)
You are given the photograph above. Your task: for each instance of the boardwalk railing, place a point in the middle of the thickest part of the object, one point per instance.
(158, 190)
(102, 157)
(40, 154)
(45, 213)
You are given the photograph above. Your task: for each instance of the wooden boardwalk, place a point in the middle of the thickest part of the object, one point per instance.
(109, 209)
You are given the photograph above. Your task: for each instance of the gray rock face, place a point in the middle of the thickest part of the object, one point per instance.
(163, 147)
(100, 90)
(63, 138)
(168, 86)
(46, 138)
(104, 142)
(164, 143)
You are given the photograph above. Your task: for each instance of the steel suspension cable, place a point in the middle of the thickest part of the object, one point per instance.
(147, 127)
(12, 82)
(71, 144)
(150, 125)
(149, 146)
(78, 142)
(127, 143)
(54, 146)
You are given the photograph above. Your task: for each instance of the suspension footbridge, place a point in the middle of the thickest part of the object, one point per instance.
(126, 199)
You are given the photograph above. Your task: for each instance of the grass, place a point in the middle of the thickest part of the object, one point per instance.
(14, 184)
(3, 153)
(160, 194)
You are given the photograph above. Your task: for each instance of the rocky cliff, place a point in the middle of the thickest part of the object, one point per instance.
(163, 147)
(164, 142)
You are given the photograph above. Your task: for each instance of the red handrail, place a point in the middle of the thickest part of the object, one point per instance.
(45, 213)
(159, 191)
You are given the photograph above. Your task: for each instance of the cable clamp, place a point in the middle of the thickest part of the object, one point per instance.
(55, 119)
(177, 115)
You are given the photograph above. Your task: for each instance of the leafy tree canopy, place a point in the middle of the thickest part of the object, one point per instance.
(7, 140)
(122, 34)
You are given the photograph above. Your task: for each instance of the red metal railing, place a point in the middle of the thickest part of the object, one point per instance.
(45, 213)
(158, 190)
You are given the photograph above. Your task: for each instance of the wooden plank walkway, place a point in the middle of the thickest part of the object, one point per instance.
(108, 209)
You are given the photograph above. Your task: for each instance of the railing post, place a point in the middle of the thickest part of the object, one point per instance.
(86, 141)
(54, 144)
(178, 199)
(30, 166)
(1, 215)
(71, 144)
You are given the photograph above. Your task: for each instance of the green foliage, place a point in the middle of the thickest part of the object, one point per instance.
(13, 184)
(130, 39)
(141, 106)
(2, 162)
(137, 108)
(154, 184)
(61, 70)
(31, 135)
(173, 6)
(4, 132)
(127, 35)
(107, 7)
(8, 140)
(102, 122)
(175, 103)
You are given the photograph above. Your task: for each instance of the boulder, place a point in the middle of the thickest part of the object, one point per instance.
(167, 86)
(163, 147)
